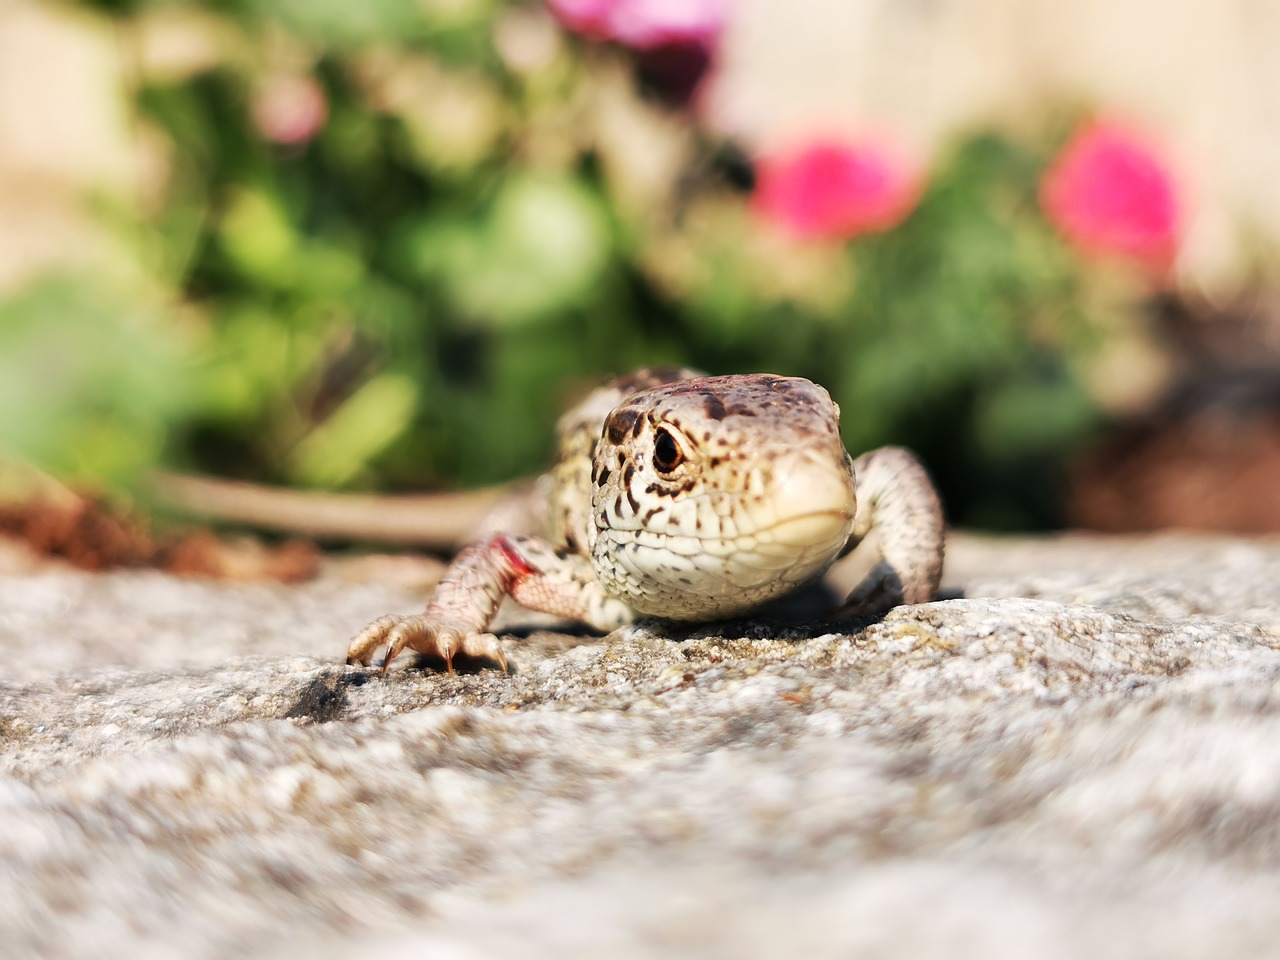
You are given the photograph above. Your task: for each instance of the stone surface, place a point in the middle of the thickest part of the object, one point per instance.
(1078, 754)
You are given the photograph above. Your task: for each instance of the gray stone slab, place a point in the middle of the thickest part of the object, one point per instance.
(1077, 754)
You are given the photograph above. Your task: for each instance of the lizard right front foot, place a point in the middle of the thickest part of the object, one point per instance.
(424, 633)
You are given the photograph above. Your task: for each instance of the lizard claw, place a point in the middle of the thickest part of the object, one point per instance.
(425, 633)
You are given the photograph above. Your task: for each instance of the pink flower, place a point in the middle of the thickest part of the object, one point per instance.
(832, 190)
(289, 109)
(588, 17)
(645, 24)
(1110, 192)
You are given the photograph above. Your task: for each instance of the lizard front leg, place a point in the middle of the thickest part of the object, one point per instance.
(897, 501)
(526, 569)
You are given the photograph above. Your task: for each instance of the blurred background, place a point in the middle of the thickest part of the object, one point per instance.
(378, 246)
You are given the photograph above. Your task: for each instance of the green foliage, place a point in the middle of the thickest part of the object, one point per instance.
(539, 249)
(90, 381)
(407, 298)
(960, 337)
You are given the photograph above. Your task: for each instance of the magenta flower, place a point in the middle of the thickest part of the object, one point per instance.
(832, 190)
(1110, 192)
(592, 18)
(645, 24)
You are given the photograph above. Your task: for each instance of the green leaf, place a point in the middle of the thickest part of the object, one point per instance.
(1033, 417)
(256, 235)
(343, 23)
(362, 427)
(543, 246)
(90, 380)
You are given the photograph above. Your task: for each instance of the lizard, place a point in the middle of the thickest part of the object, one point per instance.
(690, 498)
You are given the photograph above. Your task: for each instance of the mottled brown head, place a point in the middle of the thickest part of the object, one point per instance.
(715, 494)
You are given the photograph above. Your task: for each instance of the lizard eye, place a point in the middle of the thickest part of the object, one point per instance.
(666, 452)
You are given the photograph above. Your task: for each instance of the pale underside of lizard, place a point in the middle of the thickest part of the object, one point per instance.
(690, 498)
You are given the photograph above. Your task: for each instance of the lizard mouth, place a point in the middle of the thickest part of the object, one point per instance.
(807, 518)
(814, 529)
(811, 500)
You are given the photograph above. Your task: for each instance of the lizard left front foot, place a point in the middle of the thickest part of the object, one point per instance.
(897, 500)
(877, 594)
(425, 633)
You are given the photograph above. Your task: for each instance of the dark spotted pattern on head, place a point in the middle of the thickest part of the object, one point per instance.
(759, 499)
(566, 490)
(650, 377)
(671, 489)
(621, 422)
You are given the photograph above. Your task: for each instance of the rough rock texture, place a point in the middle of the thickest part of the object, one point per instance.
(1077, 756)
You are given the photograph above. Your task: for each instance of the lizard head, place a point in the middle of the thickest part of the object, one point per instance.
(715, 494)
